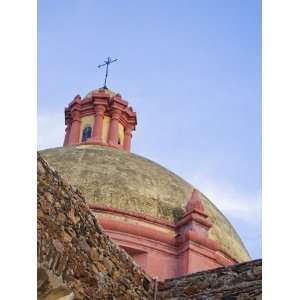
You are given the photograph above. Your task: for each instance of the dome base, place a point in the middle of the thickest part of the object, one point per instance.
(154, 243)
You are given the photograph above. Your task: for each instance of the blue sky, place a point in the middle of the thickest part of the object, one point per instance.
(191, 70)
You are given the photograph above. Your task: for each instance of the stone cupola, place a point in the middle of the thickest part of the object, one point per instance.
(102, 117)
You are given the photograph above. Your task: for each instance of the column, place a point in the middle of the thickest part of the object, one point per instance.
(75, 128)
(127, 138)
(67, 134)
(98, 125)
(113, 128)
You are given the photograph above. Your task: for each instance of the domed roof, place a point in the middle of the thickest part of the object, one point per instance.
(119, 179)
(105, 90)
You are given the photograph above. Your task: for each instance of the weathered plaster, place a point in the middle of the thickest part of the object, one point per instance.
(127, 181)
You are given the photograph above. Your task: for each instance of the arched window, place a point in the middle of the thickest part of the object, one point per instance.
(86, 134)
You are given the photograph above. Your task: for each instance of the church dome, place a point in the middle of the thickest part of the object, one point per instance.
(100, 90)
(122, 180)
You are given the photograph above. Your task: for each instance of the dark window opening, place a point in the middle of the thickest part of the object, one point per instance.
(86, 134)
(119, 141)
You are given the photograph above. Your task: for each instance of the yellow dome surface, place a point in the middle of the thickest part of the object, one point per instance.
(118, 179)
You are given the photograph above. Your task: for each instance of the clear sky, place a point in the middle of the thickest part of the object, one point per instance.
(192, 72)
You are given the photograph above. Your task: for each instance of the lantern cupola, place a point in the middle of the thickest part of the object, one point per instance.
(102, 117)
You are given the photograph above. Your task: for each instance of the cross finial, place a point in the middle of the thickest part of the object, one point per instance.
(107, 62)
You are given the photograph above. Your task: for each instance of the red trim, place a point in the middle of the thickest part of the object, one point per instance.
(136, 215)
(178, 239)
(121, 226)
(199, 217)
(202, 240)
(192, 246)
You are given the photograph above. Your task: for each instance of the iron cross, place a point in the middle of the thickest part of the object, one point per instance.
(107, 62)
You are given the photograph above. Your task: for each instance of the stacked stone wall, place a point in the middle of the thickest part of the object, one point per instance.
(76, 259)
(237, 282)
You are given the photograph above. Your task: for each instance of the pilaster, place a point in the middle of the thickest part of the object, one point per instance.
(75, 128)
(98, 125)
(113, 128)
(192, 235)
(127, 137)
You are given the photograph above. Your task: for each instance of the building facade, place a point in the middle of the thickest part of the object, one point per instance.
(165, 224)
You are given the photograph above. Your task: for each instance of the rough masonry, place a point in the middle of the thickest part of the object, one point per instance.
(237, 282)
(76, 259)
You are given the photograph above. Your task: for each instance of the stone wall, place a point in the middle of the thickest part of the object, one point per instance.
(240, 282)
(76, 259)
